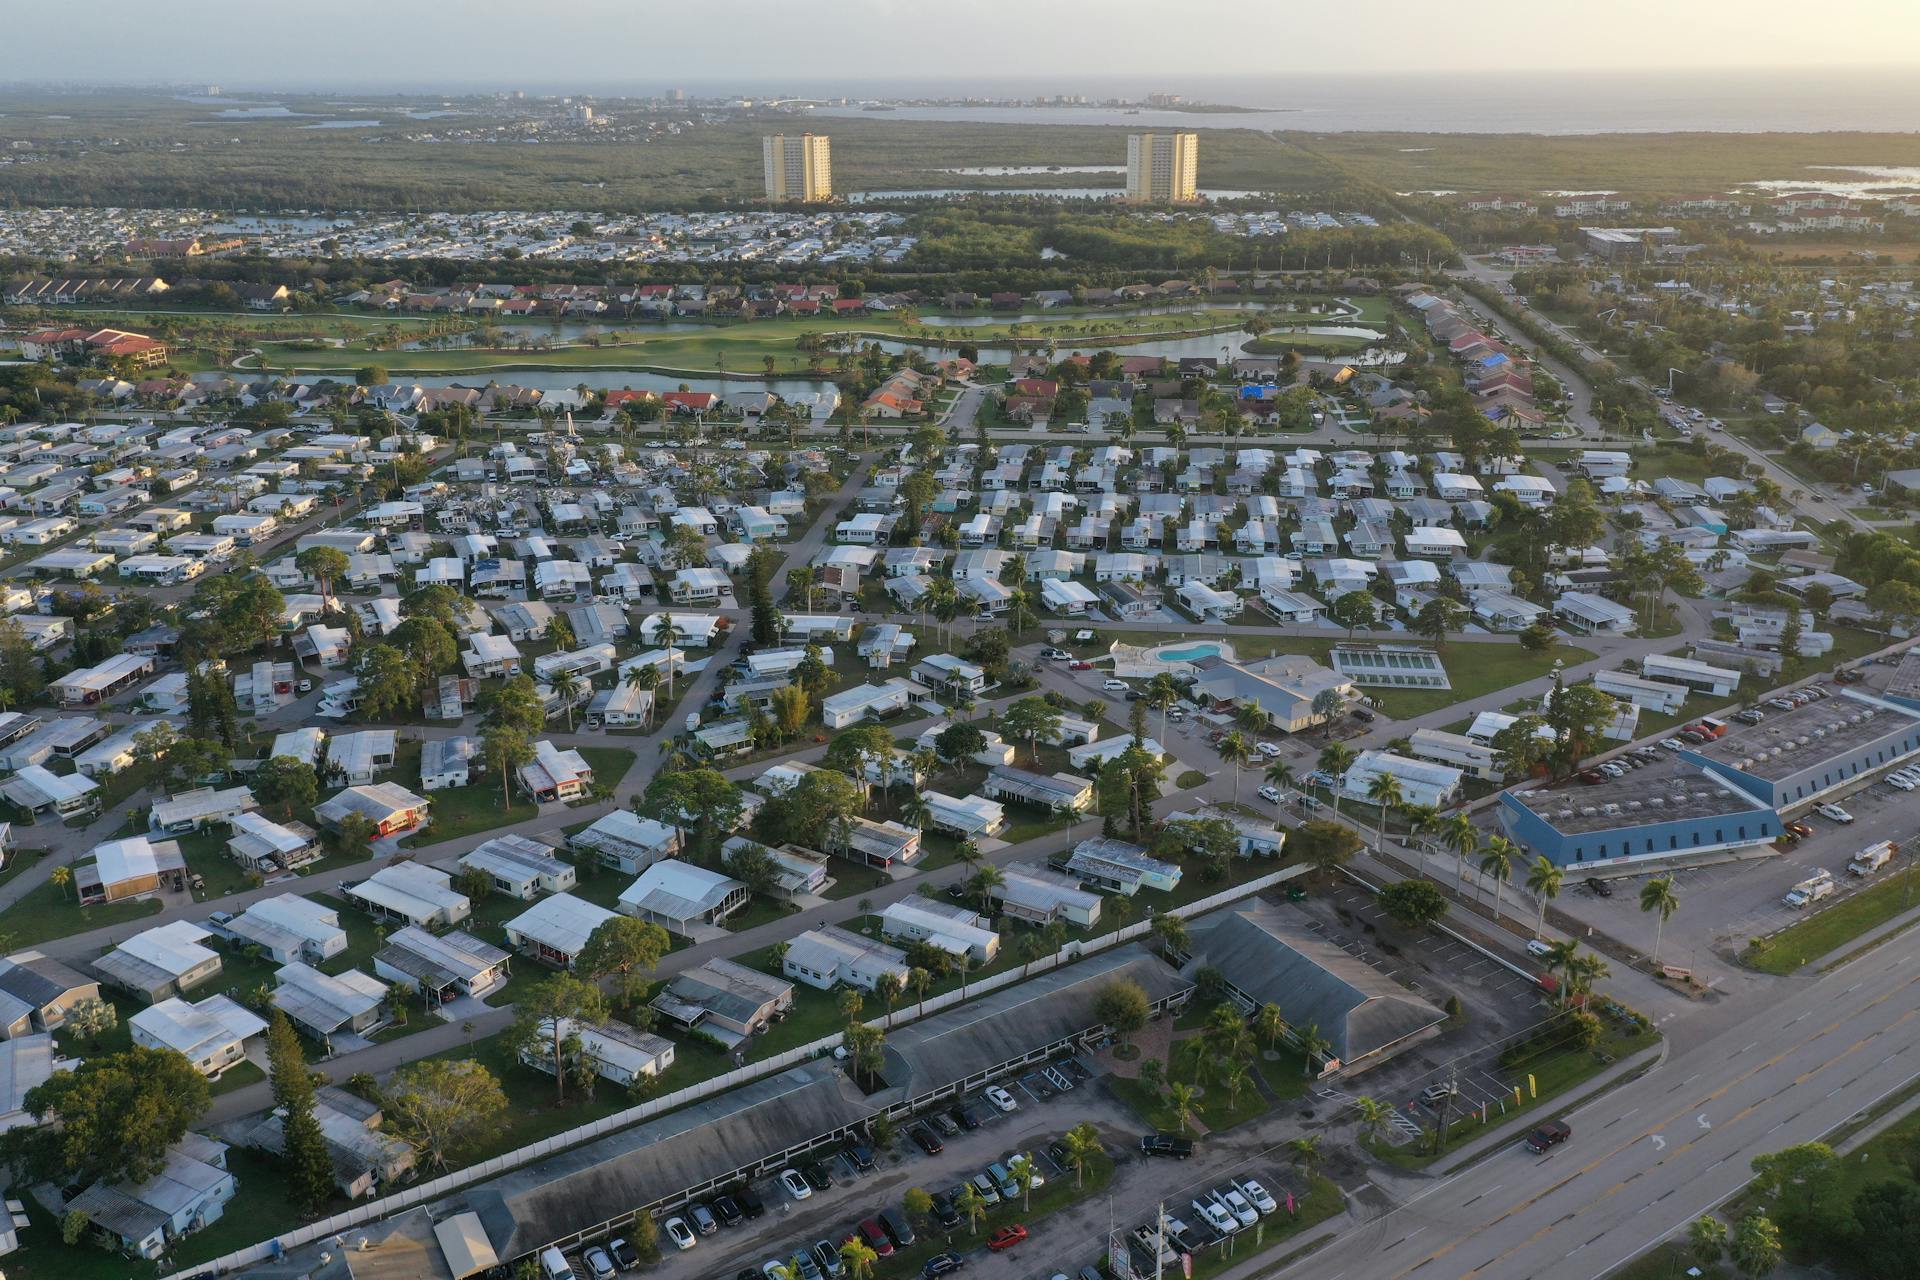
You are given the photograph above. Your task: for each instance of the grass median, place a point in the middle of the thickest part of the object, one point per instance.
(1819, 935)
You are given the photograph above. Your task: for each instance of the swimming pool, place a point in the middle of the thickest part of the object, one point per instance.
(1189, 653)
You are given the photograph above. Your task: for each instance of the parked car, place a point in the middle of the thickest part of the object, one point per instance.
(944, 1122)
(1271, 750)
(923, 1138)
(625, 1256)
(1007, 1237)
(1592, 777)
(861, 1155)
(703, 1220)
(1163, 1144)
(1052, 654)
(987, 1189)
(1019, 1159)
(803, 1262)
(1598, 887)
(1077, 665)
(941, 1263)
(1271, 794)
(1549, 1135)
(796, 1186)
(1001, 1098)
(680, 1233)
(943, 1211)
(875, 1238)
(1800, 829)
(898, 1230)
(1833, 813)
(829, 1259)
(750, 1204)
(599, 1265)
(1539, 948)
(1114, 686)
(816, 1175)
(1003, 1179)
(1435, 1094)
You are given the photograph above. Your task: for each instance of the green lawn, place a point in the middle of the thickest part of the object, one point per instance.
(1669, 1261)
(1320, 1201)
(49, 912)
(1820, 934)
(463, 811)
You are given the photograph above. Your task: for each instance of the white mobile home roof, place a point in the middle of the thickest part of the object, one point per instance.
(561, 922)
(197, 1030)
(288, 917)
(411, 890)
(325, 1001)
(678, 890)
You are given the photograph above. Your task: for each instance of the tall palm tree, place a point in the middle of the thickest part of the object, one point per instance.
(1335, 758)
(1181, 1097)
(1269, 1023)
(1496, 862)
(1383, 790)
(1460, 835)
(1280, 774)
(1422, 819)
(1161, 693)
(1658, 895)
(1305, 1151)
(1236, 751)
(1313, 1045)
(1373, 1115)
(566, 687)
(1583, 971)
(1543, 882)
(1559, 956)
(671, 632)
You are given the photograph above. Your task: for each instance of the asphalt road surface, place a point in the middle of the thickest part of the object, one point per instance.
(1652, 1155)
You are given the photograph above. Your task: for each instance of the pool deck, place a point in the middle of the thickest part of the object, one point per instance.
(1131, 662)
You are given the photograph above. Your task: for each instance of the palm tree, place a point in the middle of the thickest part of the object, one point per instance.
(1079, 1146)
(1583, 970)
(1334, 760)
(1543, 882)
(1384, 790)
(1422, 819)
(1304, 1151)
(1460, 835)
(61, 877)
(970, 1203)
(645, 677)
(1181, 1097)
(1161, 693)
(1658, 895)
(1373, 1115)
(855, 1252)
(1269, 1023)
(1496, 861)
(1313, 1045)
(670, 633)
(914, 810)
(920, 979)
(566, 687)
(1236, 751)
(801, 580)
(1280, 774)
(1560, 956)
(1237, 1077)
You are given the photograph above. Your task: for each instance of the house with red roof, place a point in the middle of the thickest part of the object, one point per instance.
(690, 401)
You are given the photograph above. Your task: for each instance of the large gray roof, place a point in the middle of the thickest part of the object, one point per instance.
(1009, 1023)
(1267, 955)
(591, 1184)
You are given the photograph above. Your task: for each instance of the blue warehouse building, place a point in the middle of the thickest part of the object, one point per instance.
(1728, 794)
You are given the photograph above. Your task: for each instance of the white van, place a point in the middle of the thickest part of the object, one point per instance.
(553, 1266)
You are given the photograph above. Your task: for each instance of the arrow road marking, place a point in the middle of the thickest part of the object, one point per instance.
(1659, 1143)
(1702, 1118)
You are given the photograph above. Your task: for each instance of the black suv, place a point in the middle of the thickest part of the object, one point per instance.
(1162, 1144)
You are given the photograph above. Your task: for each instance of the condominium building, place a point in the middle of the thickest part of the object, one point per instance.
(798, 168)
(1163, 168)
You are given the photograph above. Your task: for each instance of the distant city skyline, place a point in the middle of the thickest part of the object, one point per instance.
(749, 46)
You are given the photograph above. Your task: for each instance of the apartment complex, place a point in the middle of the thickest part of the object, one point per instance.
(798, 168)
(1163, 168)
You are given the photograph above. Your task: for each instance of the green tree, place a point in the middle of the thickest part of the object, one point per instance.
(507, 748)
(91, 1017)
(971, 1204)
(542, 1015)
(858, 1257)
(626, 949)
(1756, 1246)
(1324, 845)
(1707, 1240)
(111, 1119)
(1886, 1221)
(290, 783)
(1414, 903)
(304, 1154)
(1353, 611)
(323, 566)
(1238, 752)
(1080, 1146)
(1123, 1005)
(1384, 790)
(1030, 720)
(1496, 863)
(1374, 1115)
(1183, 1100)
(389, 683)
(1171, 932)
(445, 1110)
(1543, 882)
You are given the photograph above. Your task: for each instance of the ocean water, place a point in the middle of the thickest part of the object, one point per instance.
(1507, 102)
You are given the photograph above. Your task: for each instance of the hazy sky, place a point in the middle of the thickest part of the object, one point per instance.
(1077, 45)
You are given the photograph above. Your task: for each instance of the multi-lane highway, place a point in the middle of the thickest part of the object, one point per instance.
(1647, 1158)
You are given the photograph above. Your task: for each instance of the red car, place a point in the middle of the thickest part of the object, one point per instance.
(1006, 1237)
(1079, 666)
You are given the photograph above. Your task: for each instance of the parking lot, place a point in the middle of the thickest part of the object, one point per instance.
(1496, 1001)
(980, 1134)
(1725, 904)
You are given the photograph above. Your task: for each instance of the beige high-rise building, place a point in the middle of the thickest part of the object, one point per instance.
(798, 169)
(1163, 168)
